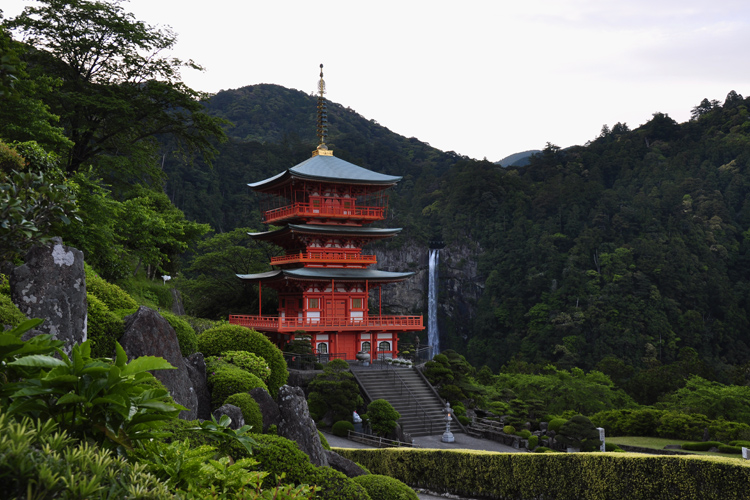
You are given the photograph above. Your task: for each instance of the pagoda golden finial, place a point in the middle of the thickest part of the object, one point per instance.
(322, 149)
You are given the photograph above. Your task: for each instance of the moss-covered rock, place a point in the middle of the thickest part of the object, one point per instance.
(215, 341)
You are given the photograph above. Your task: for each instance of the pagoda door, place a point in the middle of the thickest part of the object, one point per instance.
(336, 309)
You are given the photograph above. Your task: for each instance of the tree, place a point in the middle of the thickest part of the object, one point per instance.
(334, 394)
(579, 432)
(383, 417)
(117, 92)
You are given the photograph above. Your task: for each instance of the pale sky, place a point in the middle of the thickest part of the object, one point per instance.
(481, 78)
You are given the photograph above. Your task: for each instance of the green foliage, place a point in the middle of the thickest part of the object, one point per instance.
(185, 334)
(110, 294)
(221, 433)
(342, 428)
(730, 450)
(279, 456)
(41, 461)
(580, 433)
(594, 476)
(104, 327)
(111, 402)
(225, 380)
(524, 433)
(509, 429)
(385, 488)
(248, 362)
(336, 486)
(712, 399)
(32, 207)
(10, 315)
(216, 341)
(177, 464)
(334, 394)
(556, 424)
(250, 410)
(533, 441)
(383, 417)
(324, 441)
(702, 446)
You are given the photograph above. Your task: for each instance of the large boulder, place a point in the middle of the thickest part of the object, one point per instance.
(196, 367)
(51, 285)
(268, 408)
(344, 465)
(233, 412)
(297, 425)
(148, 334)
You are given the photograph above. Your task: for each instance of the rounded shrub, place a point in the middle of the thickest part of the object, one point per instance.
(277, 455)
(731, 450)
(324, 441)
(383, 416)
(185, 334)
(336, 486)
(112, 295)
(524, 433)
(509, 429)
(250, 409)
(702, 446)
(464, 420)
(10, 315)
(385, 488)
(342, 428)
(215, 341)
(104, 327)
(225, 379)
(533, 442)
(556, 424)
(248, 362)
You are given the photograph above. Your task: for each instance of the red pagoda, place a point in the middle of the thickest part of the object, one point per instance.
(324, 205)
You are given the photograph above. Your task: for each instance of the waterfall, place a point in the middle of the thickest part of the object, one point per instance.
(433, 336)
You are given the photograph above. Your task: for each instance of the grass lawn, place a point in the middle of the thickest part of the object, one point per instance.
(659, 444)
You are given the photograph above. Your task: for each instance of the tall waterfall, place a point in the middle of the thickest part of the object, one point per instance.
(433, 336)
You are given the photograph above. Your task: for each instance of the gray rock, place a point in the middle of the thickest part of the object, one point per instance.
(344, 465)
(196, 367)
(297, 425)
(148, 334)
(232, 412)
(268, 408)
(51, 285)
(543, 426)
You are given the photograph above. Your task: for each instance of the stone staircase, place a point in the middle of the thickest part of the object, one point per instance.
(420, 407)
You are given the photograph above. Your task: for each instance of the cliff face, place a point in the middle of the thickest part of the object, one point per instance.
(459, 287)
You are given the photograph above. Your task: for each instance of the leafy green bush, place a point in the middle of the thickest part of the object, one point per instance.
(324, 441)
(731, 450)
(248, 362)
(277, 455)
(342, 428)
(611, 447)
(702, 446)
(216, 341)
(104, 327)
(250, 409)
(464, 420)
(580, 433)
(10, 315)
(533, 441)
(741, 443)
(41, 461)
(524, 433)
(543, 449)
(383, 416)
(509, 429)
(225, 379)
(336, 486)
(109, 401)
(556, 424)
(185, 334)
(112, 295)
(333, 394)
(385, 488)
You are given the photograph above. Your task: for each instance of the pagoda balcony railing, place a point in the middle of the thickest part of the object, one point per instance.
(324, 258)
(284, 324)
(323, 210)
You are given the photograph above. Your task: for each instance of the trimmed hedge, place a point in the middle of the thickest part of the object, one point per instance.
(334, 485)
(112, 295)
(250, 409)
(186, 336)
(249, 362)
(324, 441)
(342, 428)
(277, 455)
(215, 341)
(225, 379)
(104, 328)
(10, 314)
(560, 476)
(702, 446)
(385, 488)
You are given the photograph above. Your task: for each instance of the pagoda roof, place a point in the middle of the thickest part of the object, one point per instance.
(330, 169)
(326, 274)
(290, 229)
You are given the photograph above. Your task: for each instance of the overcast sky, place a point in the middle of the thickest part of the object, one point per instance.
(481, 78)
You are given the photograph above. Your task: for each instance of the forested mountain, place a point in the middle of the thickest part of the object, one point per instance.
(620, 253)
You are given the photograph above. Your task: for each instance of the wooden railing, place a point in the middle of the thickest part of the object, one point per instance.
(283, 324)
(324, 210)
(324, 258)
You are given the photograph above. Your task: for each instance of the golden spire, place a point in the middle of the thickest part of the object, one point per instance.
(322, 149)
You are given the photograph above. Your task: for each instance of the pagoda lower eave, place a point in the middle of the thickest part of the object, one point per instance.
(279, 324)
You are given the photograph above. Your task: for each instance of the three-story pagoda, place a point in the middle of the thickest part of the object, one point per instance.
(324, 206)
